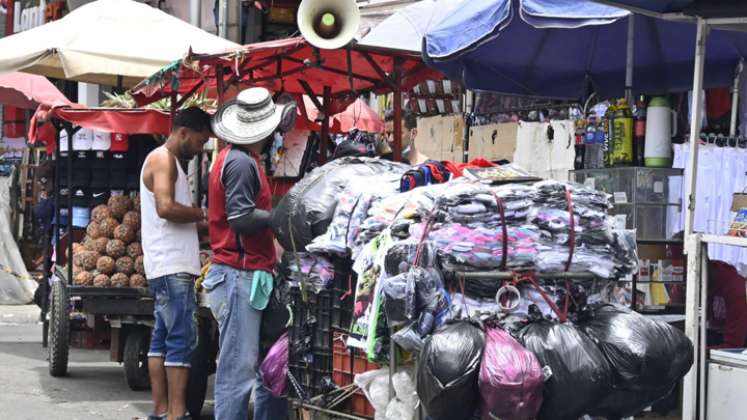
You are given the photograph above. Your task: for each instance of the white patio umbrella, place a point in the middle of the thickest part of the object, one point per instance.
(110, 42)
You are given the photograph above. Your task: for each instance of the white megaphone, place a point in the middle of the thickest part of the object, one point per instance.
(328, 24)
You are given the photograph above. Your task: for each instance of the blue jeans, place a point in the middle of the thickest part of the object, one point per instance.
(175, 330)
(238, 323)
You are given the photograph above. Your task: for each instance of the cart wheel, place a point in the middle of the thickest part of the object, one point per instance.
(59, 329)
(198, 374)
(136, 359)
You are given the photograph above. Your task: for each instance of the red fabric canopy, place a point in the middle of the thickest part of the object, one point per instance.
(357, 115)
(28, 91)
(110, 120)
(290, 65)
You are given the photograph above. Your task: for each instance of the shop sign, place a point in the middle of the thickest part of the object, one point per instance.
(33, 16)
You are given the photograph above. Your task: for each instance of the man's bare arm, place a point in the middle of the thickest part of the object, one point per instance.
(163, 173)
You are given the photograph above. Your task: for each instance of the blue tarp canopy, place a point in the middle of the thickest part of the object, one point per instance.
(702, 8)
(567, 48)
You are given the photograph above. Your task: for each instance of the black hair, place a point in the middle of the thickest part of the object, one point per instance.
(193, 118)
(410, 120)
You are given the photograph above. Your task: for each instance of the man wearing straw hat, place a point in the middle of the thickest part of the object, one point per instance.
(239, 281)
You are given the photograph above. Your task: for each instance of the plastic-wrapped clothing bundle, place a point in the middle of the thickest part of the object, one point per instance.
(316, 272)
(647, 357)
(448, 367)
(401, 257)
(480, 247)
(306, 211)
(335, 240)
(408, 295)
(274, 368)
(399, 299)
(510, 379)
(580, 375)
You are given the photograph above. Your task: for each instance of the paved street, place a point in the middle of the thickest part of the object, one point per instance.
(94, 389)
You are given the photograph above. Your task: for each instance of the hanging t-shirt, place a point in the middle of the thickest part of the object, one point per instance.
(83, 139)
(101, 141)
(120, 142)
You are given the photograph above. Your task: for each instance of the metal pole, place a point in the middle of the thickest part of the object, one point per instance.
(700, 50)
(324, 142)
(735, 99)
(703, 318)
(690, 383)
(397, 105)
(69, 260)
(690, 387)
(630, 60)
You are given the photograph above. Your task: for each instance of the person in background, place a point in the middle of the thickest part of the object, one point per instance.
(240, 281)
(171, 254)
(410, 153)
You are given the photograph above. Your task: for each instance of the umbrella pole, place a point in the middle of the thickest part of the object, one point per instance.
(630, 60)
(692, 243)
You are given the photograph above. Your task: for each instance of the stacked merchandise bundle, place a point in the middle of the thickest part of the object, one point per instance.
(110, 254)
(405, 248)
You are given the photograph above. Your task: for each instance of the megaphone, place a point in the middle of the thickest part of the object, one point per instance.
(328, 24)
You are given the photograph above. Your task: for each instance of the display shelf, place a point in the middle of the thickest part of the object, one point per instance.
(724, 240)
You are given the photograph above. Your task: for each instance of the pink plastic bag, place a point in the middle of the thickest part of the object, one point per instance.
(510, 379)
(274, 369)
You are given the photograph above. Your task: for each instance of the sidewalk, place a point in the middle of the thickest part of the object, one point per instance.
(19, 314)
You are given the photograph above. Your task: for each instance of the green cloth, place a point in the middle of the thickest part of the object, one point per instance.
(262, 283)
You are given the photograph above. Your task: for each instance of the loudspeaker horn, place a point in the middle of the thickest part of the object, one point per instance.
(328, 24)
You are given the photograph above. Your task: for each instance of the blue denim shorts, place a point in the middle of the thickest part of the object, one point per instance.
(175, 331)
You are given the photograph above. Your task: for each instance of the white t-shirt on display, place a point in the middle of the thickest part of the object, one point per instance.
(101, 140)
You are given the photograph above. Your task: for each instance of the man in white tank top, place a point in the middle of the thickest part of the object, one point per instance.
(171, 259)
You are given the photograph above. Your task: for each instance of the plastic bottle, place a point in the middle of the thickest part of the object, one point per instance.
(622, 144)
(608, 124)
(590, 141)
(639, 132)
(580, 129)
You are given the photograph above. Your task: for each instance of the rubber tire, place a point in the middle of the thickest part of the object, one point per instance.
(59, 329)
(200, 370)
(135, 359)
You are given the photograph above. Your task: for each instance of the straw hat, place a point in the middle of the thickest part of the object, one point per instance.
(248, 119)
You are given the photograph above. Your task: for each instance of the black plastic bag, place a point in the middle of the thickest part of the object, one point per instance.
(579, 375)
(274, 317)
(647, 357)
(644, 354)
(306, 211)
(448, 367)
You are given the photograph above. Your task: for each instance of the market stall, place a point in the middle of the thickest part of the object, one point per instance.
(27, 92)
(707, 17)
(97, 258)
(707, 23)
(332, 79)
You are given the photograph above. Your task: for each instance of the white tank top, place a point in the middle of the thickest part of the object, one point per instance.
(168, 248)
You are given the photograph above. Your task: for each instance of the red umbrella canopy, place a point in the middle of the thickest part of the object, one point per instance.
(28, 91)
(357, 115)
(290, 65)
